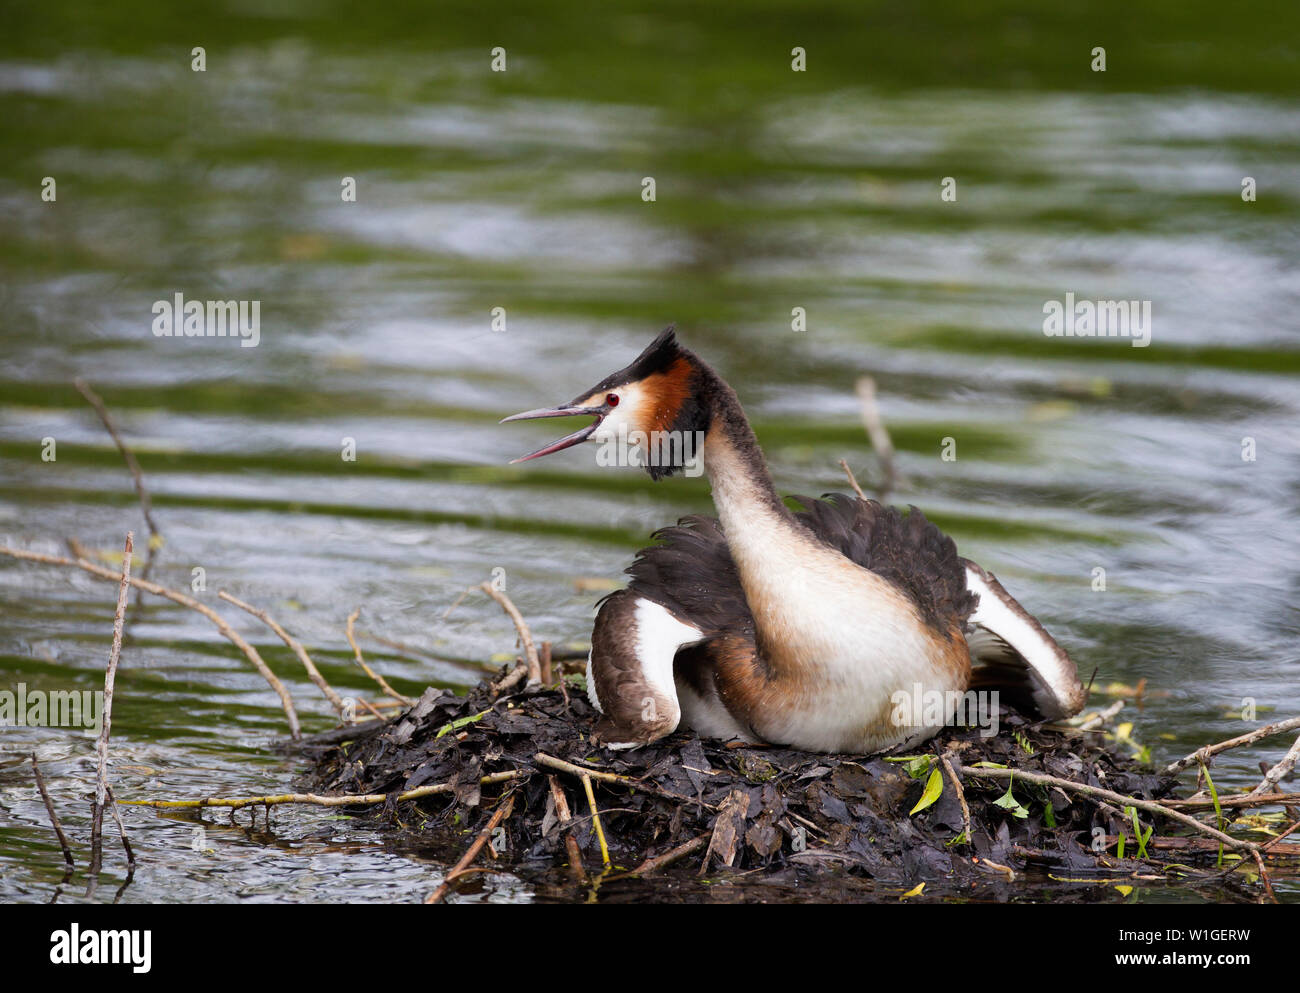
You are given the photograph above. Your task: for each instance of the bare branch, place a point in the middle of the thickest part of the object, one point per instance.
(186, 601)
(110, 680)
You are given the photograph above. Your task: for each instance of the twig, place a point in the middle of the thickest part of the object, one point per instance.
(671, 856)
(1117, 798)
(810, 825)
(1099, 718)
(110, 679)
(186, 601)
(1263, 875)
(1205, 752)
(316, 799)
(121, 829)
(312, 672)
(501, 813)
(1236, 800)
(576, 868)
(1273, 841)
(541, 758)
(356, 649)
(853, 480)
(1267, 849)
(997, 867)
(961, 796)
(1280, 771)
(880, 440)
(595, 819)
(509, 681)
(525, 636)
(651, 865)
(544, 658)
(457, 602)
(1179, 843)
(54, 818)
(145, 503)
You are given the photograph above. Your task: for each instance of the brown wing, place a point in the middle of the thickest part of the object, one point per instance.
(691, 573)
(905, 549)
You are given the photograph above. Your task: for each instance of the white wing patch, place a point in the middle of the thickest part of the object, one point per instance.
(591, 685)
(658, 635)
(1007, 636)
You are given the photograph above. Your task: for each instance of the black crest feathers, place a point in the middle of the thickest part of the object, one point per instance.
(658, 356)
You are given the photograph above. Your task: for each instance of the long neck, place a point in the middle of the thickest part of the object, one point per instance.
(753, 516)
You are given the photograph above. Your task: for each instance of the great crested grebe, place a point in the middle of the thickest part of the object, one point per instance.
(791, 628)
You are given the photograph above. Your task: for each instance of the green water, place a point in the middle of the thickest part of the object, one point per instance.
(522, 190)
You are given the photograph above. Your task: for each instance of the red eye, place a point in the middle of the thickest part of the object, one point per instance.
(611, 399)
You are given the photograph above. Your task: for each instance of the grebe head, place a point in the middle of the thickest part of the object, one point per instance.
(653, 405)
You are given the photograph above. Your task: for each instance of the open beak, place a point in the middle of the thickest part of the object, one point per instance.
(569, 440)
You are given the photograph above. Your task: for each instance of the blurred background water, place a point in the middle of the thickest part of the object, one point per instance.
(522, 190)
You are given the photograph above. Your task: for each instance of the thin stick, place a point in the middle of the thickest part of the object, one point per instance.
(509, 681)
(853, 480)
(1236, 800)
(1263, 874)
(1201, 754)
(121, 829)
(356, 649)
(1267, 849)
(1268, 846)
(106, 723)
(671, 856)
(1099, 718)
(595, 820)
(145, 503)
(576, 868)
(500, 814)
(1280, 771)
(457, 602)
(544, 657)
(879, 435)
(150, 587)
(316, 799)
(312, 672)
(810, 825)
(54, 818)
(541, 758)
(1115, 798)
(525, 636)
(1208, 845)
(1273, 841)
(961, 797)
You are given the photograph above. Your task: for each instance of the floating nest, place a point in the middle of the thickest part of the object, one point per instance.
(957, 816)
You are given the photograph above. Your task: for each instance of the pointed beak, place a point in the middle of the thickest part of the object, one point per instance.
(569, 440)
